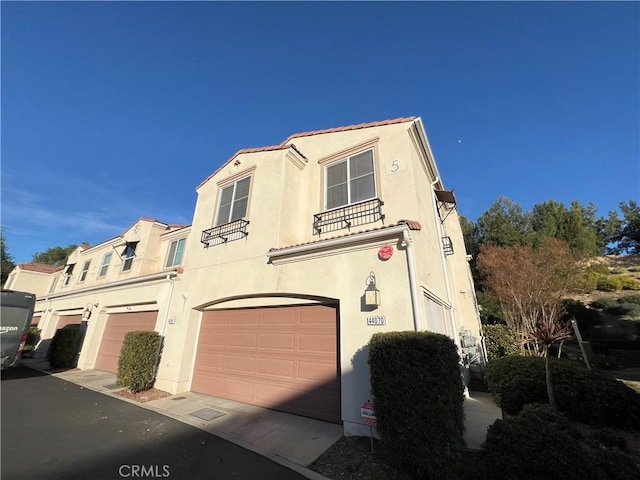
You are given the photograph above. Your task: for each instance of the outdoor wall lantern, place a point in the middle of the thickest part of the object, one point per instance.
(371, 294)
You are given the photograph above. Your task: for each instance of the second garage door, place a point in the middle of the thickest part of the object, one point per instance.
(118, 325)
(284, 358)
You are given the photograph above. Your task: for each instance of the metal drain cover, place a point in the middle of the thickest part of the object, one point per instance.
(113, 386)
(207, 414)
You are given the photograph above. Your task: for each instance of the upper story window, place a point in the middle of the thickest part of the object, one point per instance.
(350, 180)
(234, 199)
(176, 249)
(106, 260)
(128, 255)
(68, 273)
(85, 270)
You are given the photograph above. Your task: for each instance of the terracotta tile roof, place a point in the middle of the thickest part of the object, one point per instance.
(412, 224)
(351, 127)
(284, 145)
(40, 267)
(84, 245)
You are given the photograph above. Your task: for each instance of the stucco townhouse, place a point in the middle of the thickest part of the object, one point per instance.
(296, 255)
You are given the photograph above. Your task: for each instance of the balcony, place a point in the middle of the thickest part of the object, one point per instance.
(225, 233)
(369, 211)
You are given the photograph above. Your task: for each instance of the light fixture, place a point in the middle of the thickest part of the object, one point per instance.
(371, 294)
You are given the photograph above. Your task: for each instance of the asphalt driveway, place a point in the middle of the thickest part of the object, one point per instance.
(52, 429)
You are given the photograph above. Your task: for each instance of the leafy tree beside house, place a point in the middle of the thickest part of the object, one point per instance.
(55, 255)
(530, 284)
(624, 234)
(6, 259)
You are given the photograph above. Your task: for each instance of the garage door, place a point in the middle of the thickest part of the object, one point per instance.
(35, 321)
(68, 320)
(283, 358)
(118, 325)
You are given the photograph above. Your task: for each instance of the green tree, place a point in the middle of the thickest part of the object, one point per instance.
(54, 255)
(504, 224)
(626, 239)
(6, 259)
(577, 225)
(470, 235)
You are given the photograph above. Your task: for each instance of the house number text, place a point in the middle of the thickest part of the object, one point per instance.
(378, 320)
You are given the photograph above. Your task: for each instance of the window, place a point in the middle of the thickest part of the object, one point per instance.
(351, 180)
(85, 270)
(233, 201)
(176, 250)
(127, 255)
(435, 317)
(105, 265)
(68, 273)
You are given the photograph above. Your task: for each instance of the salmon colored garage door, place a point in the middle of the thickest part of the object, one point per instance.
(65, 320)
(118, 325)
(284, 358)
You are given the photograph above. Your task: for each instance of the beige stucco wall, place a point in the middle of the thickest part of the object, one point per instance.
(286, 191)
(28, 281)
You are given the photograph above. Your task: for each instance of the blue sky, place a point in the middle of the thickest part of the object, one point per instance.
(116, 110)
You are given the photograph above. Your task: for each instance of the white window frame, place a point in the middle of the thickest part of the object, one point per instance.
(234, 185)
(172, 252)
(68, 273)
(127, 261)
(349, 179)
(85, 271)
(106, 261)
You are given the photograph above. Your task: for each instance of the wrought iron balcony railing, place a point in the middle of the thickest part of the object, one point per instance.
(225, 233)
(369, 211)
(447, 245)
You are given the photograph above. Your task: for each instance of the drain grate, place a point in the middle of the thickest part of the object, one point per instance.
(207, 414)
(113, 386)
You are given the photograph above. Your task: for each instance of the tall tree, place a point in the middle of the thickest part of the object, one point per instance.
(503, 224)
(6, 259)
(54, 255)
(626, 239)
(530, 284)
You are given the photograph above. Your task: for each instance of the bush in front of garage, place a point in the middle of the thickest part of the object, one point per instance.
(138, 359)
(64, 347)
(418, 400)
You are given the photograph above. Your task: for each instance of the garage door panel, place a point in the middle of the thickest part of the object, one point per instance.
(242, 340)
(276, 367)
(272, 359)
(65, 320)
(317, 343)
(281, 341)
(315, 371)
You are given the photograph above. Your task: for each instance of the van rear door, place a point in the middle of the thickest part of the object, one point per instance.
(15, 319)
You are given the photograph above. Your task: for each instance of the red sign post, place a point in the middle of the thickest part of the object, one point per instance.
(368, 414)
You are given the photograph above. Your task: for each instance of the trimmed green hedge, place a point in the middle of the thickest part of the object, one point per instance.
(418, 396)
(583, 396)
(64, 347)
(500, 341)
(138, 360)
(541, 443)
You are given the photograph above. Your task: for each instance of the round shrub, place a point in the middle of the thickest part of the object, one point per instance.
(500, 341)
(541, 443)
(582, 395)
(139, 357)
(609, 284)
(64, 347)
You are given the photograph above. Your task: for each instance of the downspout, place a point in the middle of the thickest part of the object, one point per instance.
(444, 269)
(412, 281)
(164, 326)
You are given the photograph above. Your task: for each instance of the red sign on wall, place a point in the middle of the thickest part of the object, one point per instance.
(385, 252)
